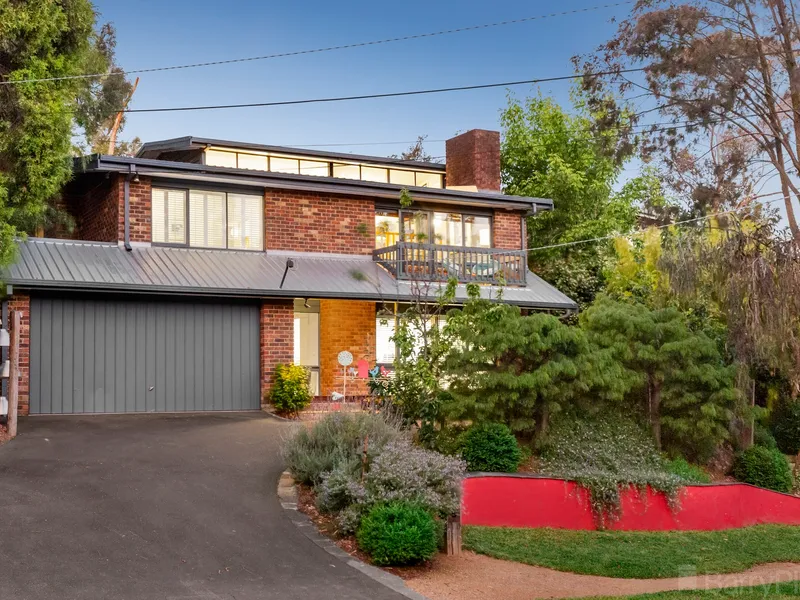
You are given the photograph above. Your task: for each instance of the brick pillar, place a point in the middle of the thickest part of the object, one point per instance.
(22, 304)
(508, 230)
(345, 325)
(141, 215)
(277, 341)
(473, 158)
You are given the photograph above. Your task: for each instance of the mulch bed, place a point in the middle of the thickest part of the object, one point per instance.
(306, 504)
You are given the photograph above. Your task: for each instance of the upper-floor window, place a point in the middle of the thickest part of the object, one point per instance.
(426, 227)
(212, 219)
(284, 163)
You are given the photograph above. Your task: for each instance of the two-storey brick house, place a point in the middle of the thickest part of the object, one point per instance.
(198, 265)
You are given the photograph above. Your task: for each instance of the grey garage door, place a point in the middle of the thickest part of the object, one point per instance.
(140, 356)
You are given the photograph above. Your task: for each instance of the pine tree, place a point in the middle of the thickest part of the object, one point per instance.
(517, 370)
(681, 382)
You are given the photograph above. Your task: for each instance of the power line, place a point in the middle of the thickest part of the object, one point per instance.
(374, 96)
(641, 231)
(328, 48)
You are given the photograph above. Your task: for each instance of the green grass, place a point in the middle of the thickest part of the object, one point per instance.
(639, 555)
(774, 591)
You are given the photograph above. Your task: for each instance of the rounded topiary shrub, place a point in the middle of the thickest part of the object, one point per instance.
(786, 426)
(290, 393)
(763, 467)
(398, 533)
(491, 447)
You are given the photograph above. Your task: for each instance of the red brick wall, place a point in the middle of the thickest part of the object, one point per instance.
(277, 341)
(140, 210)
(309, 222)
(473, 158)
(23, 305)
(345, 325)
(508, 230)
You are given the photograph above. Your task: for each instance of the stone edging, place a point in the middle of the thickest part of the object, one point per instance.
(287, 494)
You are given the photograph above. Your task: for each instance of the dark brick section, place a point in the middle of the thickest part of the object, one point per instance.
(508, 230)
(277, 340)
(310, 222)
(473, 158)
(22, 304)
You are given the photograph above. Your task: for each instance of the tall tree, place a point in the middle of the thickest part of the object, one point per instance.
(549, 153)
(416, 151)
(684, 388)
(727, 70)
(42, 40)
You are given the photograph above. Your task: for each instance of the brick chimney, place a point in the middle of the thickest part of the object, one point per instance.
(473, 159)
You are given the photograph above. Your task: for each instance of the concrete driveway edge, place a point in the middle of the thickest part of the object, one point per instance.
(287, 492)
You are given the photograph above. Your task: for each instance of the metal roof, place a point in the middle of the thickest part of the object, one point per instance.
(45, 264)
(189, 142)
(334, 185)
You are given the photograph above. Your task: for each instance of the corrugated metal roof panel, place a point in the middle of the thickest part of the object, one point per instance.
(65, 264)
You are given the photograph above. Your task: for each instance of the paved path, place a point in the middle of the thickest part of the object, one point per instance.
(157, 507)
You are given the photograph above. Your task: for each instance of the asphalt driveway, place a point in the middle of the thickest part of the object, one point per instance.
(167, 507)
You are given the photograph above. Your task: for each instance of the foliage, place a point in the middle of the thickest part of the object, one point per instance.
(422, 345)
(728, 70)
(635, 276)
(517, 370)
(416, 151)
(548, 152)
(399, 471)
(765, 468)
(290, 393)
(762, 436)
(688, 472)
(629, 554)
(680, 382)
(449, 440)
(786, 426)
(336, 439)
(398, 533)
(43, 40)
(606, 455)
(491, 447)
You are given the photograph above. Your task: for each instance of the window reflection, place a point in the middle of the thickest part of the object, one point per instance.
(447, 229)
(387, 228)
(478, 231)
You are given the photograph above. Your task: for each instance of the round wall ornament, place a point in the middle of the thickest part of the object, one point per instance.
(345, 358)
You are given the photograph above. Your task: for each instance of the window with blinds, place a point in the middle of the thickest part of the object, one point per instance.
(213, 219)
(384, 344)
(207, 219)
(245, 230)
(169, 216)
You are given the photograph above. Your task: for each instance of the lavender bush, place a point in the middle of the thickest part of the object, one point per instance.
(400, 471)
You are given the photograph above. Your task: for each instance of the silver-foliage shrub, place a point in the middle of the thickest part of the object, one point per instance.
(337, 439)
(400, 471)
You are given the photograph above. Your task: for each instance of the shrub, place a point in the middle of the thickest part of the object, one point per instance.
(491, 447)
(786, 426)
(604, 455)
(763, 467)
(399, 533)
(686, 471)
(400, 472)
(763, 437)
(450, 440)
(290, 393)
(338, 439)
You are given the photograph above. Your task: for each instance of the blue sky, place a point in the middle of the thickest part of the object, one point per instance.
(153, 34)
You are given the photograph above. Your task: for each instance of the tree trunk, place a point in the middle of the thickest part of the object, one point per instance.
(655, 411)
(542, 422)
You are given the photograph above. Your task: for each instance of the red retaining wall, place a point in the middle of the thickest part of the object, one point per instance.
(523, 501)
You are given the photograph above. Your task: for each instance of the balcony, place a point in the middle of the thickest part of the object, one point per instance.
(433, 262)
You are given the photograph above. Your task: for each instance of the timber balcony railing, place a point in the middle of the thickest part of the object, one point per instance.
(433, 262)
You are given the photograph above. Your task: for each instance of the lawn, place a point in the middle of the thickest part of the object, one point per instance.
(639, 555)
(775, 591)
